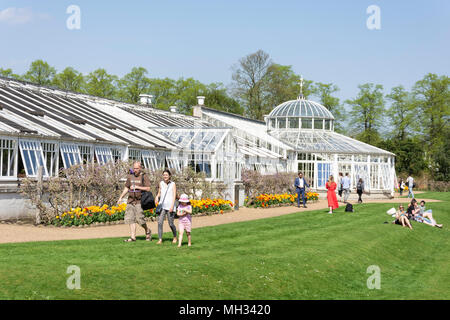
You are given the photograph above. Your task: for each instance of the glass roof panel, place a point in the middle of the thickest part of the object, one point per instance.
(325, 141)
(301, 108)
(202, 139)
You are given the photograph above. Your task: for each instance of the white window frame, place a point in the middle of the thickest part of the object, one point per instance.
(53, 149)
(173, 163)
(117, 153)
(86, 150)
(11, 146)
(103, 155)
(27, 148)
(135, 154)
(73, 150)
(149, 160)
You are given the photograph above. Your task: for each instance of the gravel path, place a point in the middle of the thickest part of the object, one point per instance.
(25, 233)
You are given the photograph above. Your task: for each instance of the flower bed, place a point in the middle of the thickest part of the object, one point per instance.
(89, 215)
(211, 206)
(271, 200)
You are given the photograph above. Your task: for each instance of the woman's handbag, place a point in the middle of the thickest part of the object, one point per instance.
(159, 208)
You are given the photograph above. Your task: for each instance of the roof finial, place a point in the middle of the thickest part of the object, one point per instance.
(301, 96)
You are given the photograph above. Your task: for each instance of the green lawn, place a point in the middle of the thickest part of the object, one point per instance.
(306, 255)
(445, 196)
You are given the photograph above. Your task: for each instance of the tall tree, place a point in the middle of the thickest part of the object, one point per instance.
(133, 84)
(282, 84)
(367, 110)
(40, 72)
(410, 156)
(186, 92)
(433, 99)
(401, 112)
(249, 81)
(69, 79)
(163, 91)
(324, 92)
(441, 160)
(101, 84)
(218, 98)
(8, 73)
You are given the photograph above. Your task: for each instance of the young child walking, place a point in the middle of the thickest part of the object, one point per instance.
(185, 221)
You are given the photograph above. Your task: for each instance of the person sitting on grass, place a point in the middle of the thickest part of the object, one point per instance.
(401, 219)
(425, 216)
(185, 221)
(412, 210)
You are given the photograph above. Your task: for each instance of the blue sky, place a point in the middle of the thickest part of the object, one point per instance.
(325, 41)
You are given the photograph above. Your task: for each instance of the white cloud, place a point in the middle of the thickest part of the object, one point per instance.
(19, 15)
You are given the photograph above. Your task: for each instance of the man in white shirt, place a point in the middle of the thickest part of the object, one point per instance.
(300, 186)
(346, 187)
(410, 182)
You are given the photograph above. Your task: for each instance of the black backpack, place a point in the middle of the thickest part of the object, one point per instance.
(147, 198)
(349, 207)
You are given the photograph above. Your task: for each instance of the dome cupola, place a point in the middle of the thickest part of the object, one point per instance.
(300, 114)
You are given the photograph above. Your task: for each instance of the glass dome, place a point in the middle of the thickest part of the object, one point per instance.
(301, 108)
(300, 114)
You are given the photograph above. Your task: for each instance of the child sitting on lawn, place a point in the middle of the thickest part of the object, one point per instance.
(185, 221)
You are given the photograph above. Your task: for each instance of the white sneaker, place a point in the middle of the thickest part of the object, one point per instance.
(330, 212)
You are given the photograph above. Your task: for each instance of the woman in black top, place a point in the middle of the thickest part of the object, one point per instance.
(360, 189)
(413, 208)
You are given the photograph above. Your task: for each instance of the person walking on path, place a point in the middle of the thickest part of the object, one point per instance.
(339, 183)
(346, 187)
(360, 189)
(331, 194)
(135, 184)
(167, 193)
(300, 186)
(410, 182)
(184, 211)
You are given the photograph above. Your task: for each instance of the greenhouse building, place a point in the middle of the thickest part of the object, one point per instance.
(51, 128)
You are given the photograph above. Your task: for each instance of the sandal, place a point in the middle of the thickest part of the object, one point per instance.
(148, 236)
(129, 240)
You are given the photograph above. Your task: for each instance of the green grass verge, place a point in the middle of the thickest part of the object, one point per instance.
(306, 255)
(444, 196)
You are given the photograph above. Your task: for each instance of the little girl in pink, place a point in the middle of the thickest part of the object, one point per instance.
(184, 211)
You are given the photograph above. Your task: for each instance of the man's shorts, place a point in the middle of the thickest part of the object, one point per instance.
(134, 214)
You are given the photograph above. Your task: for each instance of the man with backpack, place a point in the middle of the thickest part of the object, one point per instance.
(136, 183)
(346, 186)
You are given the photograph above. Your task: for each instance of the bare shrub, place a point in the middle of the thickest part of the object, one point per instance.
(255, 183)
(96, 185)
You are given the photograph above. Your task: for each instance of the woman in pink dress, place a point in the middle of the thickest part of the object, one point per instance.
(331, 194)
